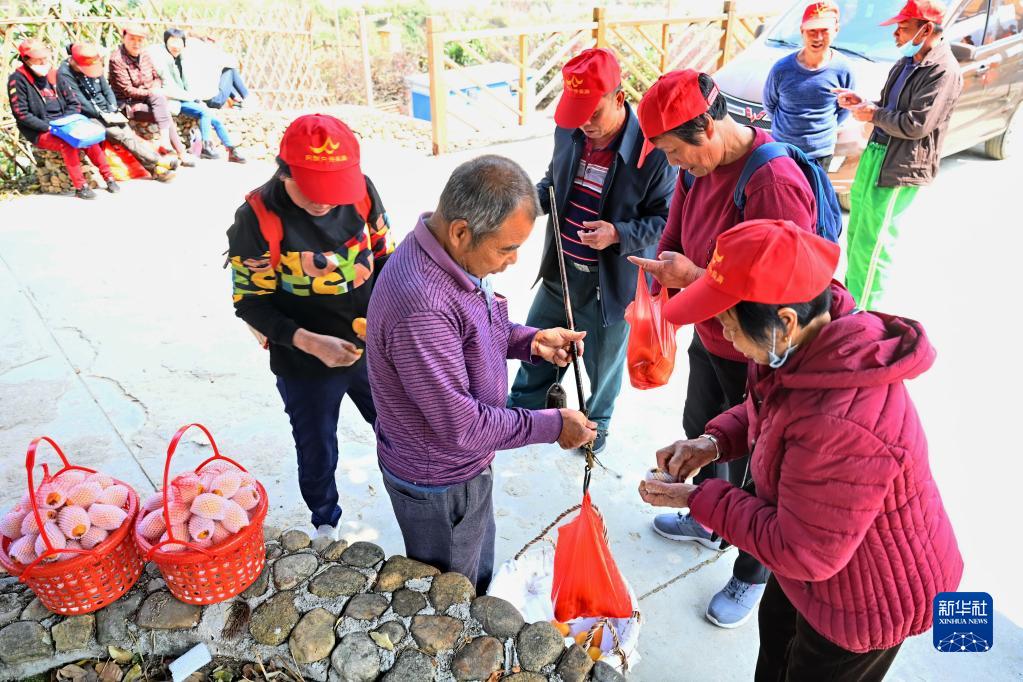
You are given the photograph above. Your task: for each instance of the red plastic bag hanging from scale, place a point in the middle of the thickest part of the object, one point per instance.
(651, 351)
(587, 583)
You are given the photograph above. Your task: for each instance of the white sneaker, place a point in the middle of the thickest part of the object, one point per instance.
(325, 531)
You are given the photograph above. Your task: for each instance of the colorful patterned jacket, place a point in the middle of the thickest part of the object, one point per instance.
(322, 283)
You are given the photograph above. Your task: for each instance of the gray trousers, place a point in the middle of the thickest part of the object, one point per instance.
(139, 148)
(452, 528)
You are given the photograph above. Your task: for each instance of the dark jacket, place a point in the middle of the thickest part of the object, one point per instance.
(132, 80)
(94, 95)
(634, 200)
(846, 513)
(917, 128)
(28, 106)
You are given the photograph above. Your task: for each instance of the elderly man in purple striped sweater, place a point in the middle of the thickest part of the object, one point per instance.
(438, 343)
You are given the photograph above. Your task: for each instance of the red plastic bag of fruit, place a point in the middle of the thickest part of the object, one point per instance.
(587, 583)
(651, 352)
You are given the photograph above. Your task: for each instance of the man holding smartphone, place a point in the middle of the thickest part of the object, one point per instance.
(910, 120)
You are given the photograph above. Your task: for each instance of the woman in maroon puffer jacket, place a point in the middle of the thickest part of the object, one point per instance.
(845, 511)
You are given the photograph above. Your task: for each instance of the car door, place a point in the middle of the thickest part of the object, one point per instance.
(972, 113)
(1003, 51)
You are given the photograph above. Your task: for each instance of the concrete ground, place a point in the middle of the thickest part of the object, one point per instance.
(119, 328)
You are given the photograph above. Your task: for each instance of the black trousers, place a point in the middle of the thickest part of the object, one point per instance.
(313, 405)
(715, 385)
(792, 651)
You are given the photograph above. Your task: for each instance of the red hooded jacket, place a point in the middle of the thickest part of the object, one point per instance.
(846, 513)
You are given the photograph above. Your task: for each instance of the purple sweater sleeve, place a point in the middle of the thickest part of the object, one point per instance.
(520, 342)
(428, 348)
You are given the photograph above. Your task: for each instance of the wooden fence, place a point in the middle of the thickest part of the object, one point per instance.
(274, 44)
(464, 98)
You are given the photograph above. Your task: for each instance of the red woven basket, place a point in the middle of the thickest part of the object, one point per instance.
(208, 575)
(85, 583)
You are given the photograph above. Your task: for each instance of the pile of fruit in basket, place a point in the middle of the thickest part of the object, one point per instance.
(204, 508)
(78, 510)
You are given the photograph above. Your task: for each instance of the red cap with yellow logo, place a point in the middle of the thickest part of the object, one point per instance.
(323, 156)
(88, 59)
(760, 261)
(920, 10)
(671, 101)
(820, 15)
(588, 76)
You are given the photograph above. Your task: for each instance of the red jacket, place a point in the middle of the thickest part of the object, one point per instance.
(846, 513)
(778, 190)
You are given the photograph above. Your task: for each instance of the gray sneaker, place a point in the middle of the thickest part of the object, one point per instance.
(735, 604)
(684, 528)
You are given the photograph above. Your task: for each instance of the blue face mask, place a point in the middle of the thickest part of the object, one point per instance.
(908, 49)
(774, 360)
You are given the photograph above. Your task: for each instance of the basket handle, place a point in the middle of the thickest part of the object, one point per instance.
(30, 465)
(617, 648)
(171, 449)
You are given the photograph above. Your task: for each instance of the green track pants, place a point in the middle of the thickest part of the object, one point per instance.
(873, 229)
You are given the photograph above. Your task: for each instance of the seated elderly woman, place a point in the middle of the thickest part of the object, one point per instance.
(36, 99)
(845, 512)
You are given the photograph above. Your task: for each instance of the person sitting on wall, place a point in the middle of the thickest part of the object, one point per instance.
(36, 99)
(169, 64)
(82, 74)
(139, 90)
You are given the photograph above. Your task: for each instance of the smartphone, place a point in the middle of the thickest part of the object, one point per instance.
(842, 91)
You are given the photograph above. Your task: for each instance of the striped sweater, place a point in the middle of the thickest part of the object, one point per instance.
(438, 369)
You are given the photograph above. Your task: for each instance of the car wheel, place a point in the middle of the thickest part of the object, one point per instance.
(1010, 142)
(845, 201)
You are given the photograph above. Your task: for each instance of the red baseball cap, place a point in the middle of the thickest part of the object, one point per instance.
(921, 10)
(761, 261)
(820, 15)
(88, 59)
(674, 99)
(323, 155)
(588, 76)
(33, 49)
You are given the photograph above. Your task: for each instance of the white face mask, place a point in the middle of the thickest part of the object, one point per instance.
(40, 69)
(774, 360)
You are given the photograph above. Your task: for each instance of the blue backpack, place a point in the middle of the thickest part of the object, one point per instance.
(829, 213)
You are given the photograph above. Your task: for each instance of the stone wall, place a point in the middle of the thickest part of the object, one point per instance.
(257, 133)
(53, 176)
(337, 612)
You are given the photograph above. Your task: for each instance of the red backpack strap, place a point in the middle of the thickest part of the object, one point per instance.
(364, 206)
(269, 225)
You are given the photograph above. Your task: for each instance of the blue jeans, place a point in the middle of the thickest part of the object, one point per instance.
(207, 119)
(603, 356)
(313, 405)
(231, 85)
